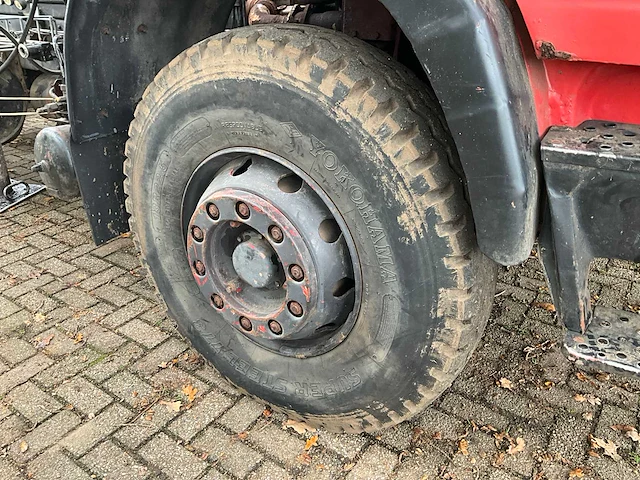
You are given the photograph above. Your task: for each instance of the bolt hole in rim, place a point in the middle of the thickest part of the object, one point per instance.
(277, 291)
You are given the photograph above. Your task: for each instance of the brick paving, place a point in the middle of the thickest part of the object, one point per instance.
(91, 368)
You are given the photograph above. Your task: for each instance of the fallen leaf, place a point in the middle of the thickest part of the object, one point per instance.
(242, 435)
(348, 467)
(517, 447)
(549, 307)
(505, 383)
(44, 342)
(304, 458)
(498, 460)
(78, 338)
(581, 376)
(610, 449)
(39, 317)
(587, 416)
(576, 473)
(173, 406)
(629, 431)
(298, 427)
(163, 365)
(24, 446)
(310, 443)
(592, 399)
(463, 446)
(267, 412)
(190, 391)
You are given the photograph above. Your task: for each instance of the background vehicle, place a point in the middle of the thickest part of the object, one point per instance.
(323, 212)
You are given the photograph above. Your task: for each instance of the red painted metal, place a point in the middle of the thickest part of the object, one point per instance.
(585, 60)
(599, 31)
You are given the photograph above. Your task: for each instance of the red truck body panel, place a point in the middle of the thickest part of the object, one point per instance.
(585, 61)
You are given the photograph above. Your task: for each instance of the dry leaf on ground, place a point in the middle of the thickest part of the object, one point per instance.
(78, 338)
(592, 399)
(304, 458)
(310, 443)
(39, 317)
(463, 447)
(173, 406)
(190, 391)
(628, 430)
(516, 447)
(24, 446)
(505, 383)
(576, 473)
(549, 307)
(610, 449)
(44, 342)
(299, 427)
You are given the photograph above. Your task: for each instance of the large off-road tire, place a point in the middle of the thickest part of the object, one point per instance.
(367, 148)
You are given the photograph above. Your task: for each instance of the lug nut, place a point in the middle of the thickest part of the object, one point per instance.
(275, 327)
(296, 309)
(296, 273)
(213, 211)
(245, 323)
(276, 233)
(217, 301)
(243, 210)
(198, 266)
(197, 233)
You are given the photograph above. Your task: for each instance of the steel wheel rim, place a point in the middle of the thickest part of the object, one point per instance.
(307, 283)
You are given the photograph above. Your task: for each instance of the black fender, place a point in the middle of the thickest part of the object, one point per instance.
(471, 53)
(468, 48)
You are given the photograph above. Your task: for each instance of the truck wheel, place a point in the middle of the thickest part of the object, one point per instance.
(292, 194)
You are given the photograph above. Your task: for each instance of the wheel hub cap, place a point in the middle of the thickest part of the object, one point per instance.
(269, 256)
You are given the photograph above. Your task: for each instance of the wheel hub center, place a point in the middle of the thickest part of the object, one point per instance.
(255, 262)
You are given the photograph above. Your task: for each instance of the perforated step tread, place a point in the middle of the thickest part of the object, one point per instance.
(612, 342)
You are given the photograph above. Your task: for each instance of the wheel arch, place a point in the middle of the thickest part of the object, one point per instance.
(469, 50)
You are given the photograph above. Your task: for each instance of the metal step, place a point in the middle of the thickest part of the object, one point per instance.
(612, 342)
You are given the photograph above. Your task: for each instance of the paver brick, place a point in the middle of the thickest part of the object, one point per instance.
(376, 463)
(83, 395)
(89, 434)
(113, 294)
(8, 471)
(23, 372)
(44, 436)
(110, 462)
(142, 333)
(165, 352)
(11, 428)
(55, 465)
(227, 451)
(205, 411)
(175, 461)
(74, 297)
(15, 350)
(129, 388)
(279, 443)
(126, 313)
(242, 414)
(104, 366)
(33, 403)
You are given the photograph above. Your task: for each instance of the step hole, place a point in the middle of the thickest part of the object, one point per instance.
(602, 354)
(605, 323)
(611, 125)
(629, 134)
(290, 183)
(605, 146)
(624, 319)
(603, 341)
(621, 355)
(608, 136)
(583, 346)
(590, 128)
(343, 286)
(329, 230)
(627, 144)
(242, 168)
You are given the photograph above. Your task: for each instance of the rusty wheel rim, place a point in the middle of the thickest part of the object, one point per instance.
(272, 255)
